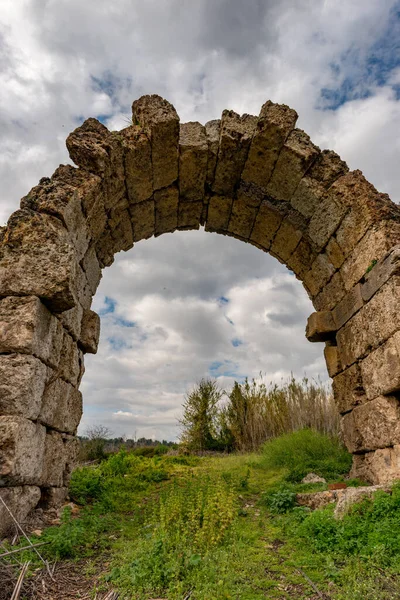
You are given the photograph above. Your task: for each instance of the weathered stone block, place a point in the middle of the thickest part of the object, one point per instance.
(274, 124)
(331, 294)
(302, 257)
(61, 405)
(320, 273)
(353, 495)
(22, 379)
(138, 167)
(88, 145)
(97, 218)
(71, 445)
(54, 460)
(69, 365)
(327, 168)
(90, 332)
(245, 207)
(193, 155)
(57, 197)
(20, 500)
(160, 122)
(348, 388)
(367, 207)
(332, 359)
(323, 172)
(334, 253)
(326, 218)
(92, 269)
(85, 294)
(71, 320)
(288, 236)
(375, 244)
(21, 451)
(235, 137)
(143, 220)
(189, 215)
(372, 325)
(121, 231)
(381, 368)
(242, 218)
(373, 425)
(53, 497)
(213, 131)
(379, 467)
(166, 203)
(380, 273)
(307, 196)
(296, 156)
(320, 327)
(266, 225)
(105, 248)
(348, 306)
(27, 327)
(87, 186)
(92, 147)
(219, 212)
(38, 259)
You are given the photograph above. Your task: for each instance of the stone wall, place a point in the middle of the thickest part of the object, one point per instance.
(258, 179)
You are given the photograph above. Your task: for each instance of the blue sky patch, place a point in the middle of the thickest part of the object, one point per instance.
(225, 368)
(236, 342)
(117, 343)
(109, 306)
(124, 322)
(357, 73)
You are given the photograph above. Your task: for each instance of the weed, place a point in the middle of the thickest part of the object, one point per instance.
(371, 265)
(280, 500)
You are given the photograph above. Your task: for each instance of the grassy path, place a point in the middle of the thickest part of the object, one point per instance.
(178, 528)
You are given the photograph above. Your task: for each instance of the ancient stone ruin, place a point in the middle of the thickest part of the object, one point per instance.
(258, 179)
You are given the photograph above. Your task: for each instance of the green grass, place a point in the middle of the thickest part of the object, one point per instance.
(306, 451)
(226, 528)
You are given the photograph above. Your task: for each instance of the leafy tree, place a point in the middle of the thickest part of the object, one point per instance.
(96, 440)
(200, 420)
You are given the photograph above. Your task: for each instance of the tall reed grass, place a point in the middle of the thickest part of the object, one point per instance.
(257, 412)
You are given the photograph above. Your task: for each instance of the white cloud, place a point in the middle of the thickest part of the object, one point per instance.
(64, 60)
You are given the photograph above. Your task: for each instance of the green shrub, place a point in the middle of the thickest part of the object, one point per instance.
(78, 536)
(86, 485)
(307, 450)
(148, 451)
(116, 480)
(280, 500)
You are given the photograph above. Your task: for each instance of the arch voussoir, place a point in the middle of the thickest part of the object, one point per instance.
(258, 179)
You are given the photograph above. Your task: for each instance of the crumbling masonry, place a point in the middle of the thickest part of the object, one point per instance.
(258, 179)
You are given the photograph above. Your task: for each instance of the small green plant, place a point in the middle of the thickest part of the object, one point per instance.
(280, 500)
(371, 265)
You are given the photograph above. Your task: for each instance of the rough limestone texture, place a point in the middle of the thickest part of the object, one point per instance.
(20, 500)
(344, 498)
(351, 496)
(256, 178)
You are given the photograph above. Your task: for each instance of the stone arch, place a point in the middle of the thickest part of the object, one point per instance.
(258, 179)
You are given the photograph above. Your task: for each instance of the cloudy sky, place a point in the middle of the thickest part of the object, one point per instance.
(192, 304)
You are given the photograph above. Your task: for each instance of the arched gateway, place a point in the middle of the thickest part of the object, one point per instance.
(255, 178)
